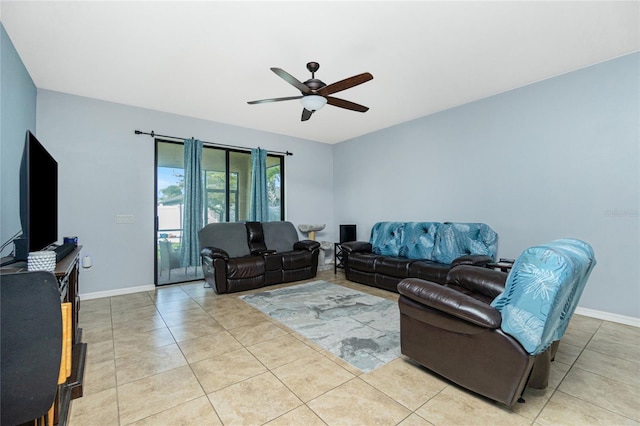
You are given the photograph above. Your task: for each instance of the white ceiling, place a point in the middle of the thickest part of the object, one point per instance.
(206, 59)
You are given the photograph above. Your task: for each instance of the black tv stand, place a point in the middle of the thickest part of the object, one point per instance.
(63, 251)
(8, 260)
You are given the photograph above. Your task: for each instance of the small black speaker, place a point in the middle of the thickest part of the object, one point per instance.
(347, 233)
(20, 249)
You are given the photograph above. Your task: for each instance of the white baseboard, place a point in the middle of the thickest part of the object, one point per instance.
(116, 292)
(607, 316)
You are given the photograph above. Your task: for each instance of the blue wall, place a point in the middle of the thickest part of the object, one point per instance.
(559, 158)
(17, 114)
(107, 170)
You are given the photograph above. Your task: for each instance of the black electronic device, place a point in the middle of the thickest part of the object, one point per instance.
(20, 249)
(38, 198)
(347, 233)
(63, 251)
(31, 330)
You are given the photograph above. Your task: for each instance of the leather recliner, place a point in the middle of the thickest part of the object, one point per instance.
(244, 256)
(426, 250)
(491, 332)
(453, 331)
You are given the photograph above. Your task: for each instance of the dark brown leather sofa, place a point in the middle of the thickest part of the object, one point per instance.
(244, 256)
(425, 250)
(453, 330)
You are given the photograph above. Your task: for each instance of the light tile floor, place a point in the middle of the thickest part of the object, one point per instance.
(182, 355)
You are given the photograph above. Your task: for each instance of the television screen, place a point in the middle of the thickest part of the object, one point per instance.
(38, 195)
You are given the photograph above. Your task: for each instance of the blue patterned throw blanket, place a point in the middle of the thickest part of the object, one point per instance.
(440, 242)
(543, 290)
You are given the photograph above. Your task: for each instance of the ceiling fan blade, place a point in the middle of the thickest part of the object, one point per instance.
(345, 84)
(291, 80)
(264, 101)
(341, 103)
(306, 114)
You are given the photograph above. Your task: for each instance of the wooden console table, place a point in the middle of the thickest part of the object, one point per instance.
(67, 273)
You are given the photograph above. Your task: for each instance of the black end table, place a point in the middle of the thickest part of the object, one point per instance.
(338, 257)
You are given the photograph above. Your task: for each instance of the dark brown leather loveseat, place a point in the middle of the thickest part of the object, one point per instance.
(243, 256)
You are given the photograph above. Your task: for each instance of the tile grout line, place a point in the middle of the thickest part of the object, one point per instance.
(191, 367)
(571, 366)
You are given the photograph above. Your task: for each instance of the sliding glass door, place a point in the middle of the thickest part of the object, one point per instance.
(227, 181)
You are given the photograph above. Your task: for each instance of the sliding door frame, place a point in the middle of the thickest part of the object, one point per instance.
(228, 152)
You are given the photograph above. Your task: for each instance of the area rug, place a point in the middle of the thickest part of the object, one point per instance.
(363, 330)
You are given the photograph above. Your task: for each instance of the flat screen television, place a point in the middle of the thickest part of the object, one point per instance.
(38, 196)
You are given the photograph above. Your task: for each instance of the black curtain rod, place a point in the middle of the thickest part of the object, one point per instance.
(154, 134)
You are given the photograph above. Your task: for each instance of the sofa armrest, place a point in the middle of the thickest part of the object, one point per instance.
(479, 280)
(450, 301)
(357, 247)
(472, 259)
(214, 253)
(308, 245)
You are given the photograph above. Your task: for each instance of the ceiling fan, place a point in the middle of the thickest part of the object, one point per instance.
(315, 93)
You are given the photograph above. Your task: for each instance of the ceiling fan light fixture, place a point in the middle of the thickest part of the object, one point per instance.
(313, 102)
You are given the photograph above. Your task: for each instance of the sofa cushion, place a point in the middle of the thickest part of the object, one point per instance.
(386, 238)
(296, 259)
(362, 261)
(459, 239)
(244, 284)
(386, 282)
(245, 267)
(279, 236)
(393, 266)
(419, 240)
(229, 236)
(429, 270)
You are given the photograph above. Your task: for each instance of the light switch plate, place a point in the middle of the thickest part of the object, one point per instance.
(124, 218)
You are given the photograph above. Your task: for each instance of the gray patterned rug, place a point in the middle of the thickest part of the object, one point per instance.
(363, 330)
